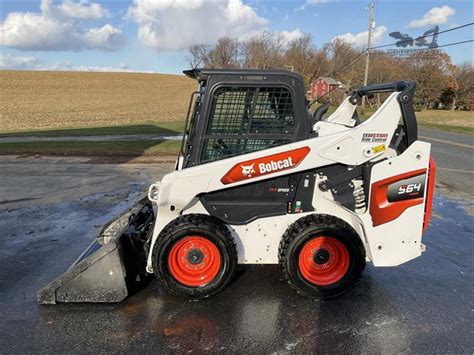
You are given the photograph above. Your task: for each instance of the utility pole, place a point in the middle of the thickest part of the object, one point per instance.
(369, 41)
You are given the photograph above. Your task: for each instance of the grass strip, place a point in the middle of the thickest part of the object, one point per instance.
(445, 127)
(161, 128)
(86, 148)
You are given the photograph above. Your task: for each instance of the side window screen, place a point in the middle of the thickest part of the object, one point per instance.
(273, 112)
(231, 111)
(243, 120)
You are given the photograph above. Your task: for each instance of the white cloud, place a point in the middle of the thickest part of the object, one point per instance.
(13, 62)
(82, 10)
(360, 39)
(9, 61)
(175, 25)
(59, 28)
(288, 36)
(66, 66)
(312, 2)
(435, 16)
(107, 37)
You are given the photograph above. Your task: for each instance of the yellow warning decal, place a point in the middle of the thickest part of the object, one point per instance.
(378, 149)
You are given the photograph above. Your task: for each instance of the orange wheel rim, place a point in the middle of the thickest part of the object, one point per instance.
(194, 261)
(323, 261)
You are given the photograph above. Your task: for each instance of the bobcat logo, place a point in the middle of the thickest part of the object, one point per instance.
(247, 170)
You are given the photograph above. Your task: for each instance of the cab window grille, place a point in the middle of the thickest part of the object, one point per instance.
(252, 110)
(231, 111)
(251, 115)
(273, 111)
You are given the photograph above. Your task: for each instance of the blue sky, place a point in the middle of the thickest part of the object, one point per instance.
(152, 35)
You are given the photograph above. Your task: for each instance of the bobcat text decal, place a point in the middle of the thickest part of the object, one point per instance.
(265, 165)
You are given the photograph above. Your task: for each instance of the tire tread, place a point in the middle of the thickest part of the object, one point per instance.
(197, 221)
(319, 220)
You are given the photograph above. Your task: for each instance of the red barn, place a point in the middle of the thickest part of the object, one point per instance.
(321, 86)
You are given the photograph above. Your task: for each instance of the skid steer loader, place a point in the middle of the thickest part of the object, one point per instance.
(262, 180)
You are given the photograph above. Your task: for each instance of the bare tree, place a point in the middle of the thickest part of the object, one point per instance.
(343, 64)
(263, 51)
(433, 75)
(197, 55)
(384, 68)
(305, 58)
(438, 79)
(464, 90)
(225, 54)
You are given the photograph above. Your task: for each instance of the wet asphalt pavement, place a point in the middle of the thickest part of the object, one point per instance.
(49, 212)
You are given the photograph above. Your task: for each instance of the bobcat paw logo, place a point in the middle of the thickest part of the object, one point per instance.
(247, 170)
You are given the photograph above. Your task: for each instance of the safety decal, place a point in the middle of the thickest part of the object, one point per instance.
(265, 165)
(378, 149)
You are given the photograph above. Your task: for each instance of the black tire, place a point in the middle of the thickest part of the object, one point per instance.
(307, 229)
(204, 226)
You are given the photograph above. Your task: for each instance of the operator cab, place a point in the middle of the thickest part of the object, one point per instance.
(236, 111)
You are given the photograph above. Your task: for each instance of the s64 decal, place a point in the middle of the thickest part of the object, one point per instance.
(390, 197)
(407, 189)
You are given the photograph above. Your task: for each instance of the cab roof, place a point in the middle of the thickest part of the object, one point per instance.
(202, 74)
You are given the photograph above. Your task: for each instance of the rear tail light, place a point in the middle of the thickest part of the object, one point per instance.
(430, 193)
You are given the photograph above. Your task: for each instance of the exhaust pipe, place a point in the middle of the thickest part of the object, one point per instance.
(112, 266)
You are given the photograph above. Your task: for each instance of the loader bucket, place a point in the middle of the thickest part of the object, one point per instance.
(111, 267)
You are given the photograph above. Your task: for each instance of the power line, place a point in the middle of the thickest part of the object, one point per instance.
(444, 45)
(356, 58)
(455, 43)
(359, 56)
(421, 37)
(351, 63)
